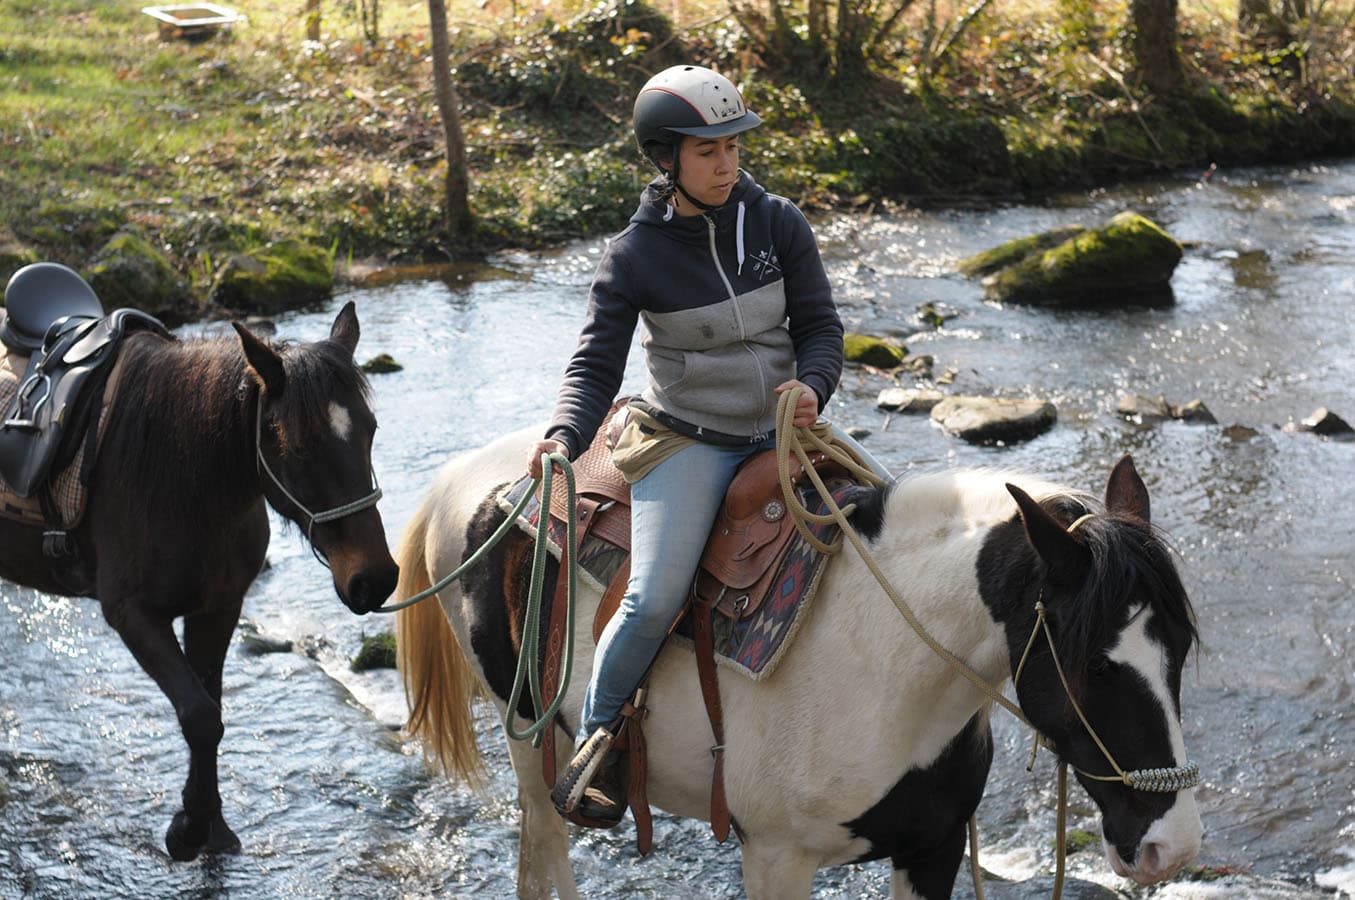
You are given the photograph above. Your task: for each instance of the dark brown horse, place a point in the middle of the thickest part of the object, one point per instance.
(203, 433)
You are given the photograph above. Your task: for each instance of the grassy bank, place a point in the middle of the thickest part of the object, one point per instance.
(258, 134)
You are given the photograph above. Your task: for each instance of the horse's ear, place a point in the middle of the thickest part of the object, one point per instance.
(345, 331)
(1126, 493)
(263, 361)
(1066, 557)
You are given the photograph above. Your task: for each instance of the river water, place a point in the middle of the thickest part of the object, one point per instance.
(329, 803)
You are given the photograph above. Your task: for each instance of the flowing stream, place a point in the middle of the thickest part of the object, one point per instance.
(328, 801)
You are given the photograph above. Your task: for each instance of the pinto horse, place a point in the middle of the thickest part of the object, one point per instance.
(865, 744)
(201, 434)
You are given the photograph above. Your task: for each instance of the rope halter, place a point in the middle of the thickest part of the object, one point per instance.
(312, 518)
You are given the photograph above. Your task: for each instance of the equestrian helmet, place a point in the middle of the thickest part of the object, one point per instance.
(689, 100)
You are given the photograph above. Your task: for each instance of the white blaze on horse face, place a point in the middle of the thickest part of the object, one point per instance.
(1174, 839)
(340, 421)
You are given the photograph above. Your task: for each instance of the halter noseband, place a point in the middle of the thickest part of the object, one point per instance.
(313, 519)
(1161, 780)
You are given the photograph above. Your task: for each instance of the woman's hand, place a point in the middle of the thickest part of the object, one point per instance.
(806, 405)
(548, 445)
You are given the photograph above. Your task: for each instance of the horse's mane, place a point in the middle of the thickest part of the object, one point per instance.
(316, 374)
(181, 412)
(1131, 561)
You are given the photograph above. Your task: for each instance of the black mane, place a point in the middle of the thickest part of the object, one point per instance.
(1131, 561)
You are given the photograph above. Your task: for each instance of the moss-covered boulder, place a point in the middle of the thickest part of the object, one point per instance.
(381, 364)
(14, 255)
(129, 272)
(1129, 259)
(378, 652)
(274, 278)
(1014, 251)
(871, 351)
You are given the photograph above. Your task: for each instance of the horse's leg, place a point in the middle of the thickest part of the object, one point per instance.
(930, 876)
(151, 640)
(543, 843)
(776, 873)
(205, 639)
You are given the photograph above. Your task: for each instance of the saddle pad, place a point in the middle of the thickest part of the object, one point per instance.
(753, 646)
(599, 560)
(68, 492)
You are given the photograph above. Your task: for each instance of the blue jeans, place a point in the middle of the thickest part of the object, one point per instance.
(672, 509)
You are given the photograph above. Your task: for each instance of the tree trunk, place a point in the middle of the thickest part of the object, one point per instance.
(1252, 15)
(455, 203)
(853, 27)
(312, 20)
(1158, 66)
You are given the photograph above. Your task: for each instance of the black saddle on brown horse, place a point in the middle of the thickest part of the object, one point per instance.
(53, 317)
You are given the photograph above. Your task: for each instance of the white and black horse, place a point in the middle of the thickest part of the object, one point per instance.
(864, 744)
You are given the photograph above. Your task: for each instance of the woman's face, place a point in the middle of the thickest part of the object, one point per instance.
(708, 169)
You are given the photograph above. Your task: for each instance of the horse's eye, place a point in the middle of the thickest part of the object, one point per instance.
(1102, 667)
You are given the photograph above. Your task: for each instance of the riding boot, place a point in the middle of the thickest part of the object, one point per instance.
(589, 790)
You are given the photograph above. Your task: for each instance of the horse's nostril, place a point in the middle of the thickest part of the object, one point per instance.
(1150, 858)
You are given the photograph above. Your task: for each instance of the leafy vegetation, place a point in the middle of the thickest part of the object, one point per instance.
(209, 148)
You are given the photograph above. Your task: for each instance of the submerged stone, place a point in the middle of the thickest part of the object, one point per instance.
(1129, 259)
(378, 652)
(981, 420)
(381, 364)
(871, 351)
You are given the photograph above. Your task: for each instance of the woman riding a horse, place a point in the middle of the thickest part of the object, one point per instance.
(736, 308)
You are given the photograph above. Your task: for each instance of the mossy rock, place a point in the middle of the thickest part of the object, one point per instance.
(378, 652)
(1012, 252)
(1128, 259)
(1077, 840)
(274, 278)
(871, 351)
(129, 272)
(14, 255)
(381, 364)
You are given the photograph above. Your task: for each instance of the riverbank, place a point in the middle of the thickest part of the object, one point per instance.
(207, 149)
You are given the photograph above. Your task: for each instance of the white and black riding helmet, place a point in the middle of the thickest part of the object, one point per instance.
(687, 101)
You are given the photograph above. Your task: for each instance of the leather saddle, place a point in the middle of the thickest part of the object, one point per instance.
(751, 531)
(53, 317)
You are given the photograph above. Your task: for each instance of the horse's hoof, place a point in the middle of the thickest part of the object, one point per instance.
(179, 839)
(220, 839)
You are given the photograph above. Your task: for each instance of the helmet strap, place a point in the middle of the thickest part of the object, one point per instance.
(674, 181)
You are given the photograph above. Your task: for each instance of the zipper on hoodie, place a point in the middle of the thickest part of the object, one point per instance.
(738, 314)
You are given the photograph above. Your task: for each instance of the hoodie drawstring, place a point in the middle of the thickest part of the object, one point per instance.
(738, 238)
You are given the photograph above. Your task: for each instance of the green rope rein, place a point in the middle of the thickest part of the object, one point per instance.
(529, 656)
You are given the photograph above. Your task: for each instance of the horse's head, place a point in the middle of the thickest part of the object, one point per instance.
(1101, 678)
(314, 432)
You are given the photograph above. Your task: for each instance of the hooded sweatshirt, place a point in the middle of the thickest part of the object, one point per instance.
(732, 303)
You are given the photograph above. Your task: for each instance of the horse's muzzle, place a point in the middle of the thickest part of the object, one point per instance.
(368, 588)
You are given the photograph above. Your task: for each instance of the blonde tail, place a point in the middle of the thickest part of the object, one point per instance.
(440, 685)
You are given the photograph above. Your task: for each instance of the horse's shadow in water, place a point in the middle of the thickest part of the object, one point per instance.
(203, 433)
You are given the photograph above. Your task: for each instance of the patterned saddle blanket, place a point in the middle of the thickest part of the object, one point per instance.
(760, 572)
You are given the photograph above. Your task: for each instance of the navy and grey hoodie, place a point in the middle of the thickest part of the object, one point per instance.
(733, 303)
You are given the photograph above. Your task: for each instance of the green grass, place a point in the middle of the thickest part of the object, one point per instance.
(257, 135)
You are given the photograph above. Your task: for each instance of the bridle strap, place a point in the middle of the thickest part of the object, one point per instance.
(312, 518)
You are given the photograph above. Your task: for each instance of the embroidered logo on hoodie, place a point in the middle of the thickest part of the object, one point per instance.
(766, 264)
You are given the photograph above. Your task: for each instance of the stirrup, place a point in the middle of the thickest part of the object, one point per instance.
(576, 777)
